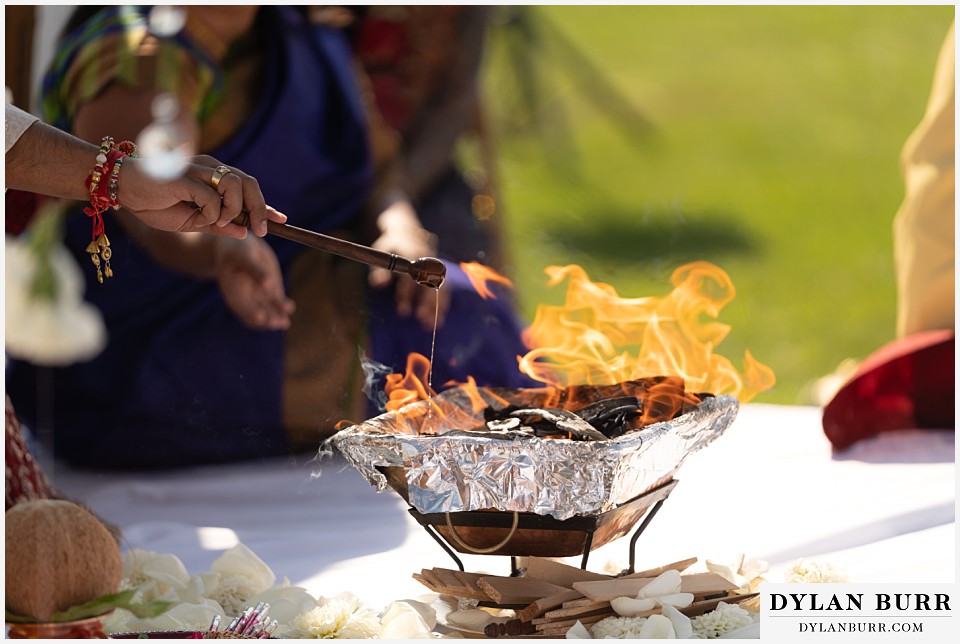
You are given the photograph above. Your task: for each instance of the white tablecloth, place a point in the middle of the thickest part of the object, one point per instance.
(769, 488)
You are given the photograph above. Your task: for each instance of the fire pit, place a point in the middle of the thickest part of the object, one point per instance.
(541, 472)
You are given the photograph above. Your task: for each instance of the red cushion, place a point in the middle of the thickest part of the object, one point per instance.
(908, 383)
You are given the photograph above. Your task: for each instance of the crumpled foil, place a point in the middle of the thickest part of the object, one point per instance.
(458, 470)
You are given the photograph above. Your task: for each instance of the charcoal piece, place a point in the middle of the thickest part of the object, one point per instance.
(612, 416)
(546, 429)
(598, 412)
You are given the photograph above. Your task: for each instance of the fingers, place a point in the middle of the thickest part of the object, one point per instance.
(238, 192)
(268, 305)
(267, 313)
(200, 219)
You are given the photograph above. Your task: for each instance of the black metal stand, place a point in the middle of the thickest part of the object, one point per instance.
(586, 524)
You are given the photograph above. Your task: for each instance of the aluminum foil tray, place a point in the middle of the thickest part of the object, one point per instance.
(454, 469)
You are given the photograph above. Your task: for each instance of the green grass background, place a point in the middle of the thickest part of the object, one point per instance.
(765, 139)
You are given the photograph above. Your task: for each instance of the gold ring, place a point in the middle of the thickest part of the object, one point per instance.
(219, 173)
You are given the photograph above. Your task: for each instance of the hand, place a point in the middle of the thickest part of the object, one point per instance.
(190, 203)
(251, 282)
(402, 234)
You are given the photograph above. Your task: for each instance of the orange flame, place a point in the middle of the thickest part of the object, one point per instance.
(479, 275)
(410, 387)
(598, 338)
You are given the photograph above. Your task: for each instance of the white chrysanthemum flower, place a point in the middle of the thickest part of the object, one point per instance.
(340, 617)
(724, 619)
(619, 628)
(814, 572)
(53, 331)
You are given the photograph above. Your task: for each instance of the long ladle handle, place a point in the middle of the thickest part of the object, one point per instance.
(428, 271)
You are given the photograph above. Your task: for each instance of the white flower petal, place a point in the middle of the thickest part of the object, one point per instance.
(754, 568)
(240, 560)
(408, 619)
(155, 576)
(681, 623)
(657, 627)
(629, 607)
(666, 584)
(578, 632)
(724, 571)
(677, 599)
(49, 332)
(286, 602)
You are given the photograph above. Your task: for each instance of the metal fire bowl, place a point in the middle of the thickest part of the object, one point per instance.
(454, 469)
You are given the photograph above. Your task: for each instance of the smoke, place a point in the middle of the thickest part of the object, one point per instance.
(373, 381)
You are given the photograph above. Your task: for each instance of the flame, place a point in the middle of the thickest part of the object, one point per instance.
(479, 275)
(599, 338)
(410, 387)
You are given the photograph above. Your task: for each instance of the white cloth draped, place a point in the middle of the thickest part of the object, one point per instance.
(769, 488)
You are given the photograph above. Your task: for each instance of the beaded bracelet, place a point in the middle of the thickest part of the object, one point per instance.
(103, 196)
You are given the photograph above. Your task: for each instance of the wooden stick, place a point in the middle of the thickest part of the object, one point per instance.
(587, 609)
(470, 579)
(427, 271)
(424, 581)
(431, 577)
(577, 603)
(510, 591)
(561, 628)
(605, 611)
(541, 606)
(559, 573)
(679, 566)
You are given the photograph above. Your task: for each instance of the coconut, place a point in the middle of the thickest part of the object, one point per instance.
(58, 555)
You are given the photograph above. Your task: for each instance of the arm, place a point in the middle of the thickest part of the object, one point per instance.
(48, 161)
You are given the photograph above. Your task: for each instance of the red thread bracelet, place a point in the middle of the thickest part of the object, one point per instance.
(103, 196)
